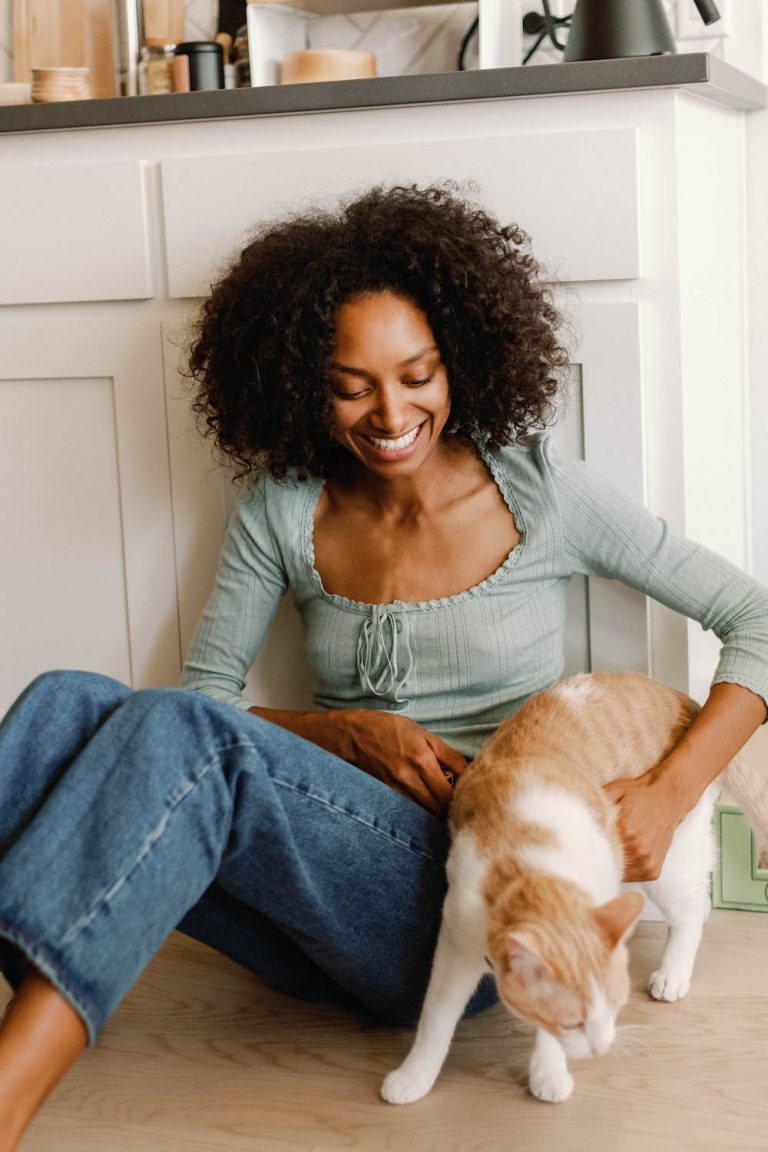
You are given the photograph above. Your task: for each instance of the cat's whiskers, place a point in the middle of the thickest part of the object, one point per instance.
(630, 1038)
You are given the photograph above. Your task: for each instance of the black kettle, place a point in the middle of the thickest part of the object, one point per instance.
(607, 29)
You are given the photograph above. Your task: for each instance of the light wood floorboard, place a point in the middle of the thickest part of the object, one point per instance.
(201, 1057)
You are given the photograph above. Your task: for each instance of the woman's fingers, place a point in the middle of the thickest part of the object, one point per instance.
(414, 762)
(438, 785)
(414, 788)
(447, 756)
(420, 777)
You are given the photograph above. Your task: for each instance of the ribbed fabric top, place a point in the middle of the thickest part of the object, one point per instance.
(460, 664)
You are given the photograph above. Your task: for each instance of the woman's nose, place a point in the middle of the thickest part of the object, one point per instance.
(390, 411)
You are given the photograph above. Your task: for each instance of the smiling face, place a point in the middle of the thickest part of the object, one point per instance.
(391, 399)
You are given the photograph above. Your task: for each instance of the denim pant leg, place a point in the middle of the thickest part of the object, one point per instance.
(173, 791)
(254, 942)
(43, 732)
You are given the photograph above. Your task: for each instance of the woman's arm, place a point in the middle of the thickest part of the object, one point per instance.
(652, 806)
(250, 582)
(607, 534)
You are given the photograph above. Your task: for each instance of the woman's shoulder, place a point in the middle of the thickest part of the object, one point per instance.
(528, 463)
(535, 460)
(266, 494)
(276, 509)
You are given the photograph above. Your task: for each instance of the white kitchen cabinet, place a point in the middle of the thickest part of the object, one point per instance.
(635, 201)
(88, 568)
(73, 232)
(592, 234)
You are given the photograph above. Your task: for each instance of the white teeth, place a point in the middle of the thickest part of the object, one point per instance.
(395, 445)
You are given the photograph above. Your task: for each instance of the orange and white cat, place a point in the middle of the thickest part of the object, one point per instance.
(535, 871)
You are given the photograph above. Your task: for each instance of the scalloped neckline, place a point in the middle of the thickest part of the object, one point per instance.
(314, 489)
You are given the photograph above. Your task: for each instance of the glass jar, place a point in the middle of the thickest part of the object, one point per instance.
(156, 68)
(242, 59)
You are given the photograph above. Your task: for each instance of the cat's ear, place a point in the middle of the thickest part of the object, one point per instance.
(525, 962)
(531, 983)
(617, 918)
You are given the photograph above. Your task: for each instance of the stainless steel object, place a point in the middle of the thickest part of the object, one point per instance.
(127, 40)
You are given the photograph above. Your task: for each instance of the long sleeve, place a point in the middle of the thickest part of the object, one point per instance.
(250, 581)
(607, 534)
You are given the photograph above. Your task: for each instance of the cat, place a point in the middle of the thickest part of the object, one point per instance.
(535, 870)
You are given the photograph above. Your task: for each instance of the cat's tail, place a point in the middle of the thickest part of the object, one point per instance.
(749, 788)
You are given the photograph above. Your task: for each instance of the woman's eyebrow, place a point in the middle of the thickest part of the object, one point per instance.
(403, 364)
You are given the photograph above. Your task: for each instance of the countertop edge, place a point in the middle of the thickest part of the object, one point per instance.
(708, 76)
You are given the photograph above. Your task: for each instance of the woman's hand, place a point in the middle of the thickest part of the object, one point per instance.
(403, 755)
(392, 748)
(647, 818)
(652, 806)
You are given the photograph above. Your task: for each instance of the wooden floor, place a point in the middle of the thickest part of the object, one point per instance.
(202, 1058)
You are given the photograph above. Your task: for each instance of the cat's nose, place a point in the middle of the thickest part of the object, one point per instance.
(601, 1039)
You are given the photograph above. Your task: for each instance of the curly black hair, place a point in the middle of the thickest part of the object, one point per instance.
(263, 342)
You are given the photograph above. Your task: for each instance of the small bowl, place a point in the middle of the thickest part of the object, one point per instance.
(315, 64)
(52, 84)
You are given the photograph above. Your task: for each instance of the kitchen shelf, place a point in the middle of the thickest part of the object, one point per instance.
(699, 73)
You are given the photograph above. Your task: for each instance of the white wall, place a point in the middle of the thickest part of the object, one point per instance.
(757, 193)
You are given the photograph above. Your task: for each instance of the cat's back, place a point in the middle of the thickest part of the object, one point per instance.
(573, 738)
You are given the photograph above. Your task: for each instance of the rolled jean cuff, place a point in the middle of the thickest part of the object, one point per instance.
(27, 954)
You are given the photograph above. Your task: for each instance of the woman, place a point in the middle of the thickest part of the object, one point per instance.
(375, 375)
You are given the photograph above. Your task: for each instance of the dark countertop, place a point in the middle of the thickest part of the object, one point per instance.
(699, 72)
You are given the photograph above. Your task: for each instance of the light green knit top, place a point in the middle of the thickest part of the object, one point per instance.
(460, 664)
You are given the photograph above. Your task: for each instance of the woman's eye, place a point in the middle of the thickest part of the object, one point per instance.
(421, 383)
(349, 395)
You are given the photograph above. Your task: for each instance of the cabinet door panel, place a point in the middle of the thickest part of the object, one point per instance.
(85, 511)
(590, 233)
(612, 420)
(63, 601)
(73, 232)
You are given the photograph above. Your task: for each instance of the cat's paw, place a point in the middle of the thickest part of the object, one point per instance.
(401, 1087)
(669, 985)
(552, 1085)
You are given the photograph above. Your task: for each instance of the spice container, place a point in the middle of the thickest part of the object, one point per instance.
(206, 63)
(156, 68)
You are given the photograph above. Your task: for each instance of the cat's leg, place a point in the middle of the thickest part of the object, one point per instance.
(682, 892)
(548, 1075)
(456, 972)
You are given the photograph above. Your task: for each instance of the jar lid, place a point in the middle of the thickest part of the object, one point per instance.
(197, 47)
(159, 42)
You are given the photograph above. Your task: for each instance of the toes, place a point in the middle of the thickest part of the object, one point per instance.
(401, 1087)
(552, 1086)
(669, 986)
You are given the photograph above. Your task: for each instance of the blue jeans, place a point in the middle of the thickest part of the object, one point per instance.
(124, 815)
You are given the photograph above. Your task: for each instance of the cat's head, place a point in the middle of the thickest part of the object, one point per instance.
(569, 973)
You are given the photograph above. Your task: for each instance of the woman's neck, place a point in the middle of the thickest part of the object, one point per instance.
(439, 481)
